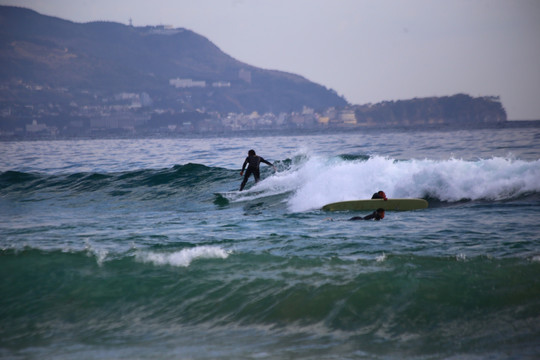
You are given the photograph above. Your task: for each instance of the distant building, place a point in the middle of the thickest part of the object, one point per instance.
(163, 30)
(307, 111)
(220, 84)
(324, 120)
(348, 117)
(186, 83)
(35, 127)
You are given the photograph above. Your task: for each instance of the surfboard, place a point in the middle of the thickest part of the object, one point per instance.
(374, 204)
(235, 196)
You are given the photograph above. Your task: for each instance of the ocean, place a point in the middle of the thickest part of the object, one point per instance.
(144, 248)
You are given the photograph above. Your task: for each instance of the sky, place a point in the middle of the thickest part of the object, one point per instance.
(366, 50)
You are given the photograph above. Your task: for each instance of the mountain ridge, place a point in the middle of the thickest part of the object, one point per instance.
(109, 57)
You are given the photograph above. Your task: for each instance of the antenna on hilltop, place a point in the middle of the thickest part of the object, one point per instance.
(130, 22)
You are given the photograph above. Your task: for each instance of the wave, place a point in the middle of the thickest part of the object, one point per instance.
(183, 257)
(306, 182)
(262, 289)
(320, 181)
(312, 181)
(177, 178)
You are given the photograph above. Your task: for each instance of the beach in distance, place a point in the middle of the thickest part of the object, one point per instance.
(145, 248)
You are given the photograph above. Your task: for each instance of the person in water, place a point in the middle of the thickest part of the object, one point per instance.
(252, 161)
(376, 215)
(379, 195)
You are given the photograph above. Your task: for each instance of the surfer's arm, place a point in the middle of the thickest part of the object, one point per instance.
(373, 215)
(268, 163)
(244, 166)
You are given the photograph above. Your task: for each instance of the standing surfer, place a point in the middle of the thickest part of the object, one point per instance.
(252, 161)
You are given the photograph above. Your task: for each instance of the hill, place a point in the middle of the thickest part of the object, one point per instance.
(60, 78)
(46, 59)
(457, 110)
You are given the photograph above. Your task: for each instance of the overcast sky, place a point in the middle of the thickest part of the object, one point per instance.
(367, 51)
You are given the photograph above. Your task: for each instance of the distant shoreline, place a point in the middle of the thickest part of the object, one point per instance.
(510, 124)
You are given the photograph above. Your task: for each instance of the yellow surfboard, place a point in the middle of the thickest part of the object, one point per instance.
(374, 204)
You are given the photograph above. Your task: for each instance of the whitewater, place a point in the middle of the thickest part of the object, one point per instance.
(145, 248)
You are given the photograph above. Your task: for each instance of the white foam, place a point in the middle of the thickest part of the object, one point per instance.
(99, 253)
(461, 257)
(381, 257)
(183, 257)
(314, 181)
(320, 181)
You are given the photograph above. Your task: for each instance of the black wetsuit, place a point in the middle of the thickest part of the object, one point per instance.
(374, 215)
(253, 168)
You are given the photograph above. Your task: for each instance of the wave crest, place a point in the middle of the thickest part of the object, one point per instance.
(185, 257)
(320, 181)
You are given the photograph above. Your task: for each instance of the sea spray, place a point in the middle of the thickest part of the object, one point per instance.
(446, 180)
(183, 258)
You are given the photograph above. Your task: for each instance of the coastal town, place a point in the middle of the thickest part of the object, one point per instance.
(132, 114)
(139, 114)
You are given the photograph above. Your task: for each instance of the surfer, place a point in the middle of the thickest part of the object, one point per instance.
(252, 161)
(376, 215)
(379, 195)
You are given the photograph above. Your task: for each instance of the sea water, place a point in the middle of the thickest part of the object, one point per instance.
(145, 249)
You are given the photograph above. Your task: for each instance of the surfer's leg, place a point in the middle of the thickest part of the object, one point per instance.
(257, 175)
(246, 177)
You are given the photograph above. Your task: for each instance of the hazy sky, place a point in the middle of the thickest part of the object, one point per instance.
(367, 51)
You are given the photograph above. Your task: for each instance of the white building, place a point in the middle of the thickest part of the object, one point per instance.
(186, 83)
(35, 127)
